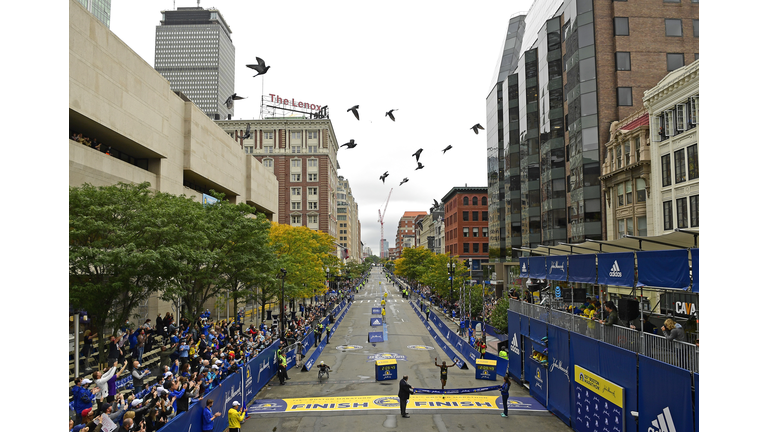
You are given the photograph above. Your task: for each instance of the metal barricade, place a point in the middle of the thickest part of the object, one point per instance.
(676, 353)
(622, 337)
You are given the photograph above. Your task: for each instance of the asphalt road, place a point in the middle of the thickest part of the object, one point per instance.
(354, 375)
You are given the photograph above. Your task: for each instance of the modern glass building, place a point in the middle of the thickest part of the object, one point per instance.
(99, 8)
(567, 69)
(194, 52)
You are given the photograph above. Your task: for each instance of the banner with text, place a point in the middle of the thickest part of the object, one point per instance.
(559, 359)
(665, 398)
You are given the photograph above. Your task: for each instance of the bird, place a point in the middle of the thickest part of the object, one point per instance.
(354, 111)
(247, 132)
(476, 127)
(405, 180)
(231, 100)
(420, 166)
(260, 67)
(389, 113)
(351, 144)
(435, 203)
(417, 154)
(384, 176)
(447, 148)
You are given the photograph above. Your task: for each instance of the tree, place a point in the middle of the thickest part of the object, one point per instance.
(498, 317)
(121, 250)
(414, 263)
(304, 254)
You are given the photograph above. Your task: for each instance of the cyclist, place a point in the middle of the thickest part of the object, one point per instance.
(324, 368)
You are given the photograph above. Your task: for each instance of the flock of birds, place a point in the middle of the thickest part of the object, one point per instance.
(261, 68)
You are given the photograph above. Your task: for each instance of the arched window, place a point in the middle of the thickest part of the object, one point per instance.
(485, 201)
(466, 200)
(474, 201)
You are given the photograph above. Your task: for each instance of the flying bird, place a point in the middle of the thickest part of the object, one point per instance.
(230, 102)
(405, 180)
(435, 204)
(260, 67)
(247, 132)
(354, 111)
(447, 148)
(476, 127)
(389, 113)
(351, 144)
(384, 176)
(417, 154)
(420, 166)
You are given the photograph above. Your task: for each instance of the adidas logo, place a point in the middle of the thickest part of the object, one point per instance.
(615, 270)
(663, 422)
(523, 270)
(513, 345)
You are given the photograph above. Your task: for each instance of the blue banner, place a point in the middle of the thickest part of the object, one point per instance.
(560, 371)
(538, 268)
(524, 267)
(696, 412)
(525, 329)
(664, 268)
(665, 397)
(515, 357)
(376, 311)
(538, 332)
(582, 268)
(695, 269)
(535, 374)
(456, 391)
(616, 269)
(375, 337)
(375, 322)
(620, 366)
(557, 267)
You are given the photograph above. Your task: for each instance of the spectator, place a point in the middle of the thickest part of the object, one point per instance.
(114, 351)
(235, 415)
(138, 376)
(613, 315)
(82, 397)
(673, 330)
(209, 416)
(86, 350)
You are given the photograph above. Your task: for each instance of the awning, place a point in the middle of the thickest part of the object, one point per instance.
(664, 268)
(557, 267)
(695, 269)
(679, 239)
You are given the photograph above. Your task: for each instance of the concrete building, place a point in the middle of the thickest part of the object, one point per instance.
(567, 70)
(301, 152)
(406, 232)
(385, 249)
(101, 9)
(367, 252)
(466, 226)
(430, 229)
(147, 132)
(348, 224)
(195, 53)
(673, 190)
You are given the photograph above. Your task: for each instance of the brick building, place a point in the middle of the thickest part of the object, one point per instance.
(406, 232)
(466, 225)
(302, 155)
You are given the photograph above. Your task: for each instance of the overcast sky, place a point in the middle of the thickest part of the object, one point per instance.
(431, 61)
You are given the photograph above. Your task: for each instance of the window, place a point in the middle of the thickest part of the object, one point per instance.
(249, 150)
(624, 96)
(475, 247)
(296, 205)
(295, 177)
(694, 200)
(311, 205)
(474, 216)
(693, 162)
(484, 201)
(637, 149)
(269, 149)
(267, 163)
(669, 121)
(667, 205)
(485, 231)
(695, 56)
(666, 175)
(680, 166)
(311, 135)
(295, 149)
(621, 26)
(620, 194)
(295, 219)
(621, 228)
(485, 215)
(626, 153)
(694, 110)
(617, 156)
(312, 177)
(312, 191)
(465, 215)
(623, 61)
(312, 149)
(295, 163)
(682, 213)
(695, 28)
(312, 163)
(466, 201)
(269, 135)
(640, 190)
(312, 219)
(642, 229)
(628, 190)
(485, 247)
(295, 191)
(475, 232)
(466, 232)
(474, 201)
(466, 247)
(674, 27)
(630, 227)
(295, 135)
(341, 217)
(675, 61)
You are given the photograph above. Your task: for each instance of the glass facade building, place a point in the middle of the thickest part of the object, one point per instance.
(195, 53)
(99, 8)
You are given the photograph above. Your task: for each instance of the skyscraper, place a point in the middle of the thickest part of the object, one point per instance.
(194, 52)
(99, 8)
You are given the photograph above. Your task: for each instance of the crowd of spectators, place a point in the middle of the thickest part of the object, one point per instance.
(93, 143)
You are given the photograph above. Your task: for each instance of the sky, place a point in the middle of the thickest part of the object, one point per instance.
(433, 64)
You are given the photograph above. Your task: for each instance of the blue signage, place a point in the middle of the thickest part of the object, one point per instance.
(376, 311)
(557, 292)
(386, 370)
(376, 322)
(374, 337)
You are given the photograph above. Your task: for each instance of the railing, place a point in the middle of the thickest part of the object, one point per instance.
(681, 354)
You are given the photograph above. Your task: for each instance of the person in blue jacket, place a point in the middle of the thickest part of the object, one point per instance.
(209, 416)
(82, 397)
(505, 394)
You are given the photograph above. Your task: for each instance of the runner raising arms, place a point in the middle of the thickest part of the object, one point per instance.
(444, 371)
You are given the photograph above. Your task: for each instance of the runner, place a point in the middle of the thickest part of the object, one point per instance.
(444, 372)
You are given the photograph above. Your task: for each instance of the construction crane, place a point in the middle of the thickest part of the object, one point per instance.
(381, 221)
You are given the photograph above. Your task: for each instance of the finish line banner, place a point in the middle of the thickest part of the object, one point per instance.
(382, 402)
(456, 391)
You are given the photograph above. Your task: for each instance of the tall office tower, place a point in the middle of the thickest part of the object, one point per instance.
(347, 231)
(194, 52)
(384, 252)
(99, 8)
(581, 65)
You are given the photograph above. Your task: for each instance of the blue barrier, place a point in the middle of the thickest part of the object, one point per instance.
(696, 411)
(559, 358)
(535, 373)
(466, 350)
(665, 402)
(515, 356)
(620, 366)
(313, 358)
(439, 341)
(375, 337)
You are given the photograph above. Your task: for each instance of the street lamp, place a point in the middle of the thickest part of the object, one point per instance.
(451, 270)
(327, 280)
(282, 301)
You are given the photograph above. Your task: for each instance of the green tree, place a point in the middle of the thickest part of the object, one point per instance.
(304, 254)
(121, 250)
(414, 263)
(499, 316)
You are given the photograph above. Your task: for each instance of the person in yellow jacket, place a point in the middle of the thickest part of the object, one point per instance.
(236, 414)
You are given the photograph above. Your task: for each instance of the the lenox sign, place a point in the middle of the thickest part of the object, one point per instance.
(292, 102)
